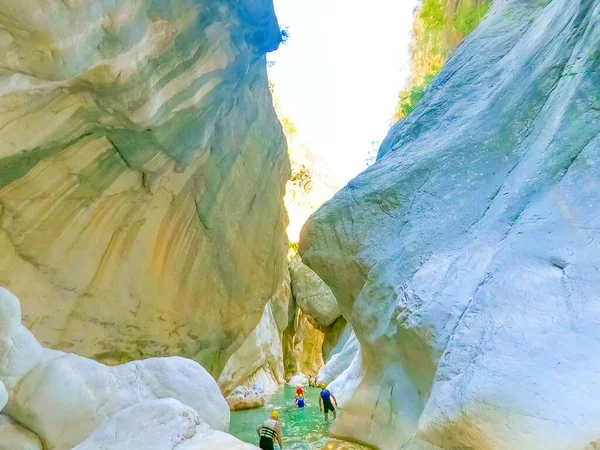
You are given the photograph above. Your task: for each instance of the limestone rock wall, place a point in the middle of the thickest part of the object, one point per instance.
(258, 360)
(466, 257)
(309, 346)
(318, 324)
(142, 171)
(312, 295)
(302, 346)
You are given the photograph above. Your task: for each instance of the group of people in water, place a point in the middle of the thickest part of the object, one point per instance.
(270, 430)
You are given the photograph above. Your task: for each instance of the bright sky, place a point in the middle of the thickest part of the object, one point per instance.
(339, 74)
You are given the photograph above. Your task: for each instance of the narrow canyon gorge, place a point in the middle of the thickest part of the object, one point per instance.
(175, 260)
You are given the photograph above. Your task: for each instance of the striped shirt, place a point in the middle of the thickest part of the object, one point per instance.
(268, 429)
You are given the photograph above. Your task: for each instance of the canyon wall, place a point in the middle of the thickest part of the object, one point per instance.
(287, 341)
(260, 358)
(142, 171)
(466, 257)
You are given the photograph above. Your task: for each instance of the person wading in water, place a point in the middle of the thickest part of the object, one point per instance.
(300, 401)
(269, 431)
(325, 401)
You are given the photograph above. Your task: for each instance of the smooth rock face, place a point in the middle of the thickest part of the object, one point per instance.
(3, 396)
(308, 346)
(207, 438)
(466, 257)
(298, 380)
(14, 437)
(335, 337)
(339, 362)
(165, 424)
(243, 397)
(157, 424)
(341, 339)
(142, 172)
(82, 393)
(312, 295)
(302, 344)
(260, 358)
(63, 398)
(19, 351)
(342, 373)
(344, 385)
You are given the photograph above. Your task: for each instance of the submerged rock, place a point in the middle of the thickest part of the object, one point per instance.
(63, 397)
(466, 257)
(14, 437)
(142, 174)
(243, 397)
(336, 444)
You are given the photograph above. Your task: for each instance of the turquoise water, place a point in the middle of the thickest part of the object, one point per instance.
(301, 429)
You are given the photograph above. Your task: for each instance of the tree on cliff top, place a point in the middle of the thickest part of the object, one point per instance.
(439, 27)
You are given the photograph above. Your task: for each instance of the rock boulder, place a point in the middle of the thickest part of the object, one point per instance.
(312, 295)
(165, 424)
(63, 397)
(243, 397)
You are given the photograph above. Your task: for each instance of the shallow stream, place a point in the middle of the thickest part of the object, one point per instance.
(301, 429)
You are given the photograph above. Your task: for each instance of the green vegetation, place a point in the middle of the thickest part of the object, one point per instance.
(410, 97)
(293, 249)
(439, 27)
(289, 127)
(285, 34)
(433, 14)
(469, 16)
(302, 178)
